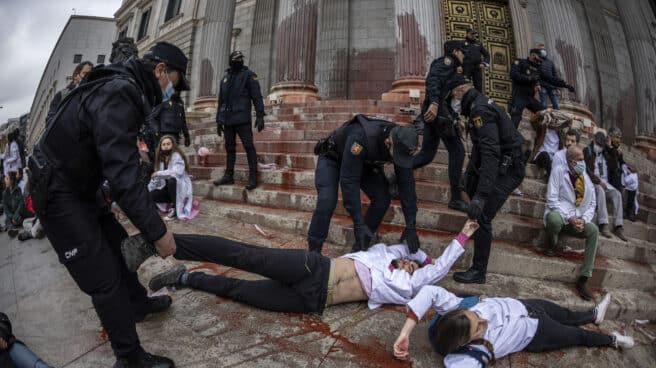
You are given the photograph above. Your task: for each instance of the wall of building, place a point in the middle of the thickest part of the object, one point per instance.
(86, 36)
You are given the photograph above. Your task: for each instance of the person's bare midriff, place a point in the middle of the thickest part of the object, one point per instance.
(346, 287)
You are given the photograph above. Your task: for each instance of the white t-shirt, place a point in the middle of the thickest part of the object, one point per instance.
(551, 143)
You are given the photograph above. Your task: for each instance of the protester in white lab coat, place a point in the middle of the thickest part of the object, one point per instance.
(572, 137)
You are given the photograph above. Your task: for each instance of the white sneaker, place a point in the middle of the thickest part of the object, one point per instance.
(600, 309)
(622, 341)
(518, 192)
(171, 215)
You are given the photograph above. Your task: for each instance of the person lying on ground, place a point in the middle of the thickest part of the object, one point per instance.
(299, 280)
(13, 353)
(472, 332)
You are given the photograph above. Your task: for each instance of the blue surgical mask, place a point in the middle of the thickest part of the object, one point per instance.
(168, 91)
(543, 53)
(580, 167)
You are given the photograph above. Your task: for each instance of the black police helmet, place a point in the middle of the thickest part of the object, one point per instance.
(472, 31)
(405, 141)
(456, 81)
(236, 55)
(449, 46)
(174, 58)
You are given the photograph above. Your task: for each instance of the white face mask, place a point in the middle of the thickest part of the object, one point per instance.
(598, 149)
(456, 105)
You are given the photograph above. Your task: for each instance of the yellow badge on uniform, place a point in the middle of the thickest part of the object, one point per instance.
(356, 149)
(447, 61)
(478, 122)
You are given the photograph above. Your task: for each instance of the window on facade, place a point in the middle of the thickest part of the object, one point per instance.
(172, 9)
(143, 27)
(77, 58)
(101, 59)
(123, 33)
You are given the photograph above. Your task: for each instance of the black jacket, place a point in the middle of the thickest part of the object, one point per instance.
(614, 162)
(360, 142)
(473, 51)
(169, 118)
(235, 96)
(13, 204)
(525, 75)
(441, 70)
(493, 136)
(59, 96)
(94, 137)
(549, 78)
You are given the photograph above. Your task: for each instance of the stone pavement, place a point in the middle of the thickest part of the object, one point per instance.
(201, 330)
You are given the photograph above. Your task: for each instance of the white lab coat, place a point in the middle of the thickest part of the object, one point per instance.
(184, 189)
(562, 198)
(11, 157)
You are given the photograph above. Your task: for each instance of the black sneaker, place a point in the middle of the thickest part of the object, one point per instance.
(24, 235)
(458, 205)
(582, 288)
(170, 277)
(136, 250)
(155, 304)
(145, 360)
(252, 181)
(12, 232)
(471, 276)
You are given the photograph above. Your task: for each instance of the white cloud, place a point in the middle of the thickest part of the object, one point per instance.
(30, 29)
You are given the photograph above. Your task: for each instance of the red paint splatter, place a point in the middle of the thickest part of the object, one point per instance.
(103, 334)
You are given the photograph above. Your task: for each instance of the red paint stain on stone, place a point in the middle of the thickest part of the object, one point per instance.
(103, 334)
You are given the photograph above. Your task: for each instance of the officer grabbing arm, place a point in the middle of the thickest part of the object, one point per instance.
(239, 88)
(495, 169)
(473, 64)
(352, 157)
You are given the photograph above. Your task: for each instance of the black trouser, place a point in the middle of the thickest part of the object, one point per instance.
(503, 186)
(475, 73)
(166, 194)
(518, 103)
(87, 240)
(543, 161)
(558, 327)
(326, 178)
(246, 136)
(454, 146)
(297, 279)
(630, 203)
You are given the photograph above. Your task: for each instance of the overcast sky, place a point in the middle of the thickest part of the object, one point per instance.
(28, 32)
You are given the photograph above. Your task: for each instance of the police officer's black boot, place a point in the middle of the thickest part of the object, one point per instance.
(252, 180)
(471, 276)
(226, 179)
(144, 360)
(456, 202)
(155, 304)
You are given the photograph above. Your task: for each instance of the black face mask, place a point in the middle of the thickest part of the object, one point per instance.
(165, 152)
(236, 64)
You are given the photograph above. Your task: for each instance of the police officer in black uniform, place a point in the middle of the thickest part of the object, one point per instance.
(169, 118)
(495, 169)
(439, 121)
(353, 157)
(525, 75)
(239, 87)
(473, 64)
(93, 137)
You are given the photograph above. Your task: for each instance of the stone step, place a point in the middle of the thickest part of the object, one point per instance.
(511, 259)
(507, 227)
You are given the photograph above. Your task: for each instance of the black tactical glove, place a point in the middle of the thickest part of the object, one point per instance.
(219, 129)
(476, 208)
(363, 237)
(259, 123)
(570, 88)
(187, 141)
(411, 239)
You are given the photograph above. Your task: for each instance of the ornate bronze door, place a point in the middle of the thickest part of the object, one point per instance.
(492, 20)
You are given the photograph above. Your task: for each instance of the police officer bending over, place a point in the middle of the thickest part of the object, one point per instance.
(439, 121)
(238, 88)
(353, 157)
(93, 136)
(495, 169)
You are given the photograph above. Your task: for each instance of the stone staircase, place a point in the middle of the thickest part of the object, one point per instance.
(286, 197)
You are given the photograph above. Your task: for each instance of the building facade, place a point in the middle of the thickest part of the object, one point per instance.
(83, 38)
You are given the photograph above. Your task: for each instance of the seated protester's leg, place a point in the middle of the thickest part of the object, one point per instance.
(37, 229)
(602, 212)
(171, 188)
(590, 234)
(285, 265)
(374, 185)
(561, 314)
(543, 161)
(630, 205)
(616, 197)
(160, 196)
(429, 144)
(554, 226)
(326, 181)
(22, 357)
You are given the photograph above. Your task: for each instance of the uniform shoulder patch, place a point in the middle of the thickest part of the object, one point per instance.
(447, 61)
(356, 148)
(478, 122)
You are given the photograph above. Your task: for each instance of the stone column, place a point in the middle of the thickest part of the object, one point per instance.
(261, 57)
(418, 34)
(296, 42)
(333, 48)
(214, 50)
(522, 30)
(565, 47)
(643, 54)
